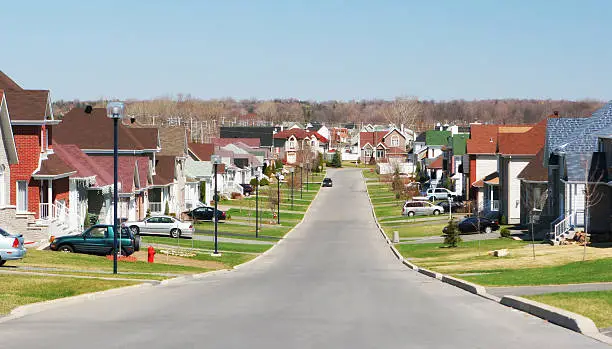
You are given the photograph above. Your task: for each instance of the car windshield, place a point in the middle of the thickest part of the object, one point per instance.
(4, 233)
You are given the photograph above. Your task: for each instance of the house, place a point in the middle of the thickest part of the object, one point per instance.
(251, 142)
(32, 176)
(534, 190)
(383, 146)
(516, 147)
(481, 149)
(8, 157)
(575, 154)
(92, 133)
(453, 161)
(263, 133)
(294, 146)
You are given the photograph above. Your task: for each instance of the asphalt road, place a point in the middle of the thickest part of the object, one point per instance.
(333, 283)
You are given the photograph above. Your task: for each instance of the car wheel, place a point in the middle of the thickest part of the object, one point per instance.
(124, 252)
(175, 233)
(134, 229)
(2, 261)
(436, 212)
(488, 230)
(410, 214)
(137, 242)
(66, 249)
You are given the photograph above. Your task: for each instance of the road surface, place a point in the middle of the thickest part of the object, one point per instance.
(333, 283)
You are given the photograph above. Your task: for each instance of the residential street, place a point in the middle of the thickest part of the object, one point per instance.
(332, 283)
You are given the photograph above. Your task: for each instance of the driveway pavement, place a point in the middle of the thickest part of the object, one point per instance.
(333, 283)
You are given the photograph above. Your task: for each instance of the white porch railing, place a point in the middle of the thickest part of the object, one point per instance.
(155, 206)
(564, 225)
(49, 211)
(494, 205)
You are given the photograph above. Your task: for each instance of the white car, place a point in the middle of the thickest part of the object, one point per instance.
(11, 247)
(440, 193)
(412, 208)
(162, 225)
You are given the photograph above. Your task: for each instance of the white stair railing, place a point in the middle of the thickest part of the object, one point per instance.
(564, 225)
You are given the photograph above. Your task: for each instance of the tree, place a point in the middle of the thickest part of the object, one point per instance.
(272, 199)
(337, 159)
(167, 209)
(403, 111)
(593, 194)
(203, 192)
(451, 234)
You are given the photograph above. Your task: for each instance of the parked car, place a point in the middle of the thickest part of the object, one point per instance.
(477, 224)
(412, 208)
(454, 205)
(97, 240)
(162, 225)
(11, 247)
(327, 182)
(439, 193)
(247, 189)
(205, 213)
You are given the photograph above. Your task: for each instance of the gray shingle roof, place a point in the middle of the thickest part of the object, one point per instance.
(584, 140)
(558, 131)
(604, 133)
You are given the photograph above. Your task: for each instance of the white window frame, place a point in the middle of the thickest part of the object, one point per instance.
(2, 187)
(395, 142)
(368, 152)
(18, 201)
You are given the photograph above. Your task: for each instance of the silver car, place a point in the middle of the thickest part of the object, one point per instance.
(412, 208)
(162, 225)
(11, 247)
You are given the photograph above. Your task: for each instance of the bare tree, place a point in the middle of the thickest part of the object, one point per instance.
(403, 111)
(592, 197)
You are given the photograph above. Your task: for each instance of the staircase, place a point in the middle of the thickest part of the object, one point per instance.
(562, 229)
(56, 219)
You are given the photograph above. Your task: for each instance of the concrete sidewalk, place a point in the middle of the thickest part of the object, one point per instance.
(533, 290)
(232, 240)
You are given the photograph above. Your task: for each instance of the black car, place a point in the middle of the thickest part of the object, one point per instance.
(475, 224)
(247, 189)
(205, 213)
(455, 205)
(327, 182)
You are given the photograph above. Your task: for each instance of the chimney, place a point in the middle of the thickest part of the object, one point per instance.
(556, 113)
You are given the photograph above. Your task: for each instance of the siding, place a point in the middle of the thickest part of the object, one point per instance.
(7, 173)
(485, 164)
(574, 201)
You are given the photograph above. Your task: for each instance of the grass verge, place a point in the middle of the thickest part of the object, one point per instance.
(596, 305)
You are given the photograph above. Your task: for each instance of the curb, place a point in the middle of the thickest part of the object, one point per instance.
(557, 316)
(34, 308)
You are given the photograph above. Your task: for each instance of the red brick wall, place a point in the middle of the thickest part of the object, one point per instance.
(61, 188)
(27, 141)
(472, 176)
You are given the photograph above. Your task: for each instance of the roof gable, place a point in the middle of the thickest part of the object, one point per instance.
(29, 105)
(7, 132)
(583, 139)
(201, 151)
(523, 143)
(535, 170)
(6, 83)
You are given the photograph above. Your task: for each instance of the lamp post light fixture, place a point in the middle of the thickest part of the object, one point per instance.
(292, 185)
(216, 160)
(115, 111)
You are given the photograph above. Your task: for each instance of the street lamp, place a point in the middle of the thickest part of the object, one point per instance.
(279, 176)
(216, 160)
(257, 204)
(292, 185)
(307, 169)
(450, 209)
(115, 111)
(301, 179)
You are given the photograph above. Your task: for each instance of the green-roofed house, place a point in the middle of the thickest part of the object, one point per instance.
(454, 153)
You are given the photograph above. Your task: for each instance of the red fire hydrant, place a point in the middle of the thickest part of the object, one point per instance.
(151, 254)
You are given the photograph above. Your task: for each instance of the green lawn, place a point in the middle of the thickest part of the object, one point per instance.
(24, 289)
(84, 262)
(599, 270)
(441, 253)
(387, 211)
(351, 164)
(227, 258)
(370, 173)
(223, 246)
(264, 213)
(246, 230)
(408, 230)
(595, 305)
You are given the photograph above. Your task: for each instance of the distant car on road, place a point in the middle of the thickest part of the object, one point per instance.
(327, 182)
(11, 247)
(97, 240)
(477, 224)
(412, 208)
(206, 213)
(162, 225)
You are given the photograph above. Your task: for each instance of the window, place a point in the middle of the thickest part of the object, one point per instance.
(368, 152)
(153, 220)
(395, 141)
(46, 138)
(22, 196)
(97, 233)
(166, 220)
(380, 153)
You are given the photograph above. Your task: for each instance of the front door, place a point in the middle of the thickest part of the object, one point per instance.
(22, 196)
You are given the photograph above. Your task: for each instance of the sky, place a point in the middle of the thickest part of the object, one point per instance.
(311, 49)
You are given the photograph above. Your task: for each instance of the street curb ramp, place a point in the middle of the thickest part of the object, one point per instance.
(557, 316)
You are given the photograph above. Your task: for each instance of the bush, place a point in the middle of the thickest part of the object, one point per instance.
(172, 214)
(236, 196)
(451, 234)
(263, 182)
(202, 191)
(336, 160)
(167, 209)
(505, 232)
(503, 220)
(359, 161)
(148, 213)
(253, 182)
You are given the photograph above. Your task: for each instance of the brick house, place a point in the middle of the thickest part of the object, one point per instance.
(290, 142)
(8, 157)
(383, 146)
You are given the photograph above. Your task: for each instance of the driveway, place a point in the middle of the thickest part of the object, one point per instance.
(333, 283)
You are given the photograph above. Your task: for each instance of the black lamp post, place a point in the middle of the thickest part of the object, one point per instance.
(115, 111)
(292, 185)
(257, 205)
(216, 160)
(307, 169)
(301, 179)
(278, 179)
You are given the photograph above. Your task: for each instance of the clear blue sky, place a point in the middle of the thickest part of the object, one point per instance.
(311, 49)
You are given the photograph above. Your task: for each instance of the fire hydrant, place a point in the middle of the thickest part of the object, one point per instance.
(151, 254)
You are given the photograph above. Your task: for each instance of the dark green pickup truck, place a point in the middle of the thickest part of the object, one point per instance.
(97, 240)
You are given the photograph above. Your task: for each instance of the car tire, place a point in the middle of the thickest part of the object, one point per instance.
(137, 242)
(175, 233)
(124, 252)
(410, 214)
(436, 212)
(135, 230)
(65, 248)
(488, 230)
(2, 261)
